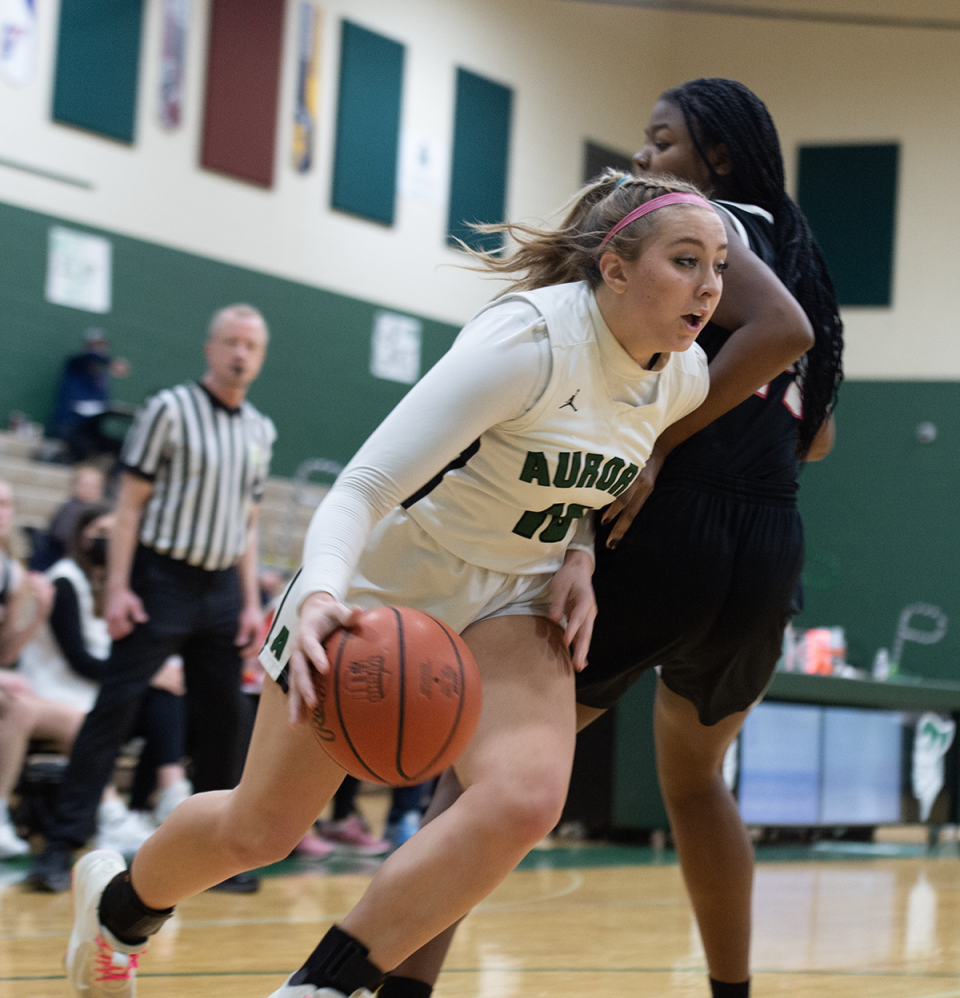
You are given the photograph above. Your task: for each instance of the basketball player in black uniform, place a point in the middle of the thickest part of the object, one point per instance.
(714, 554)
(706, 577)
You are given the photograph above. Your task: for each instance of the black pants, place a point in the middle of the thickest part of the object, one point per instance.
(702, 585)
(193, 613)
(163, 726)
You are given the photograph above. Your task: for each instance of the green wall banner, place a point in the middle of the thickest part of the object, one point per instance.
(98, 55)
(481, 147)
(368, 124)
(849, 195)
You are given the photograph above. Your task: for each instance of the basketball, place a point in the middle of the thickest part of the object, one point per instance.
(401, 700)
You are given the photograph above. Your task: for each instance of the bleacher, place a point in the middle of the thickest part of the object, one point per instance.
(40, 487)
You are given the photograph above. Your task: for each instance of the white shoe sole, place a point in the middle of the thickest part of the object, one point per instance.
(90, 876)
(309, 991)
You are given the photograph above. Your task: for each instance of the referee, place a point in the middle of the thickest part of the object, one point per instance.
(181, 577)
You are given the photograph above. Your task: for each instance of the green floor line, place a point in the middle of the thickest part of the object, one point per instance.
(899, 974)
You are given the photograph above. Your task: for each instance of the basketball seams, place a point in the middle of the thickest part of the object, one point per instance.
(362, 677)
(402, 667)
(335, 678)
(463, 690)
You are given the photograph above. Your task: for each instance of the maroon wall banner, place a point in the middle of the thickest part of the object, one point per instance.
(243, 83)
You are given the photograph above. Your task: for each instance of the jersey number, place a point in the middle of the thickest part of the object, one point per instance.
(792, 397)
(561, 519)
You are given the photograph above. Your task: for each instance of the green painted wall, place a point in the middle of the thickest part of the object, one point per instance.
(315, 384)
(881, 513)
(882, 520)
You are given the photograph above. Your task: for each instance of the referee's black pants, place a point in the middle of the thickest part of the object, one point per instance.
(193, 613)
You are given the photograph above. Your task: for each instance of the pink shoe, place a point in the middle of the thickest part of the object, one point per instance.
(350, 835)
(312, 845)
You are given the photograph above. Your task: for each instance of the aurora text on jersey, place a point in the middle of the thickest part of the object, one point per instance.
(611, 475)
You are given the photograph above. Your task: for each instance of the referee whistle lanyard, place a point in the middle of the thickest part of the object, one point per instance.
(660, 202)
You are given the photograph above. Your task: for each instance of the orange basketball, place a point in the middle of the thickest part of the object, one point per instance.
(402, 697)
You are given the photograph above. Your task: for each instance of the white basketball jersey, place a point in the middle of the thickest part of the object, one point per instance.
(511, 502)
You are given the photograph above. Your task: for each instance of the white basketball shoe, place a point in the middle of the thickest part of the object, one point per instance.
(289, 990)
(98, 965)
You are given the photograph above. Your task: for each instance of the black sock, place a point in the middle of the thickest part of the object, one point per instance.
(125, 915)
(719, 989)
(404, 987)
(339, 962)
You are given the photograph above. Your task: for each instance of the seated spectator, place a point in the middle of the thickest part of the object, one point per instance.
(20, 717)
(86, 486)
(18, 587)
(84, 397)
(66, 661)
(24, 716)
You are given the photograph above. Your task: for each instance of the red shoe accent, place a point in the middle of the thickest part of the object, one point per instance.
(111, 965)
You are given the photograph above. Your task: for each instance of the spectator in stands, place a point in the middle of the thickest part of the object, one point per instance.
(23, 716)
(181, 578)
(84, 396)
(50, 545)
(66, 663)
(86, 486)
(17, 587)
(19, 716)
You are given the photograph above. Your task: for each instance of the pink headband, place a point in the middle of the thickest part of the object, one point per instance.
(660, 202)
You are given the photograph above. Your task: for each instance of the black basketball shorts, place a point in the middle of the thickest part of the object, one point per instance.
(702, 585)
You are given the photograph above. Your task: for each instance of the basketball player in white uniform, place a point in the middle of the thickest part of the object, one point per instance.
(470, 502)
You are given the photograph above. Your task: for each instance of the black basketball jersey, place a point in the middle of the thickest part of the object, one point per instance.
(757, 439)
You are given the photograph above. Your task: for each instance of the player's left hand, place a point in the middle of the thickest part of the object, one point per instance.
(573, 595)
(248, 629)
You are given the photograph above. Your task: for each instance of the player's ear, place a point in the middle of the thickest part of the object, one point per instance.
(613, 272)
(719, 157)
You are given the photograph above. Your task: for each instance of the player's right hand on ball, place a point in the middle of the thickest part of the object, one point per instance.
(320, 616)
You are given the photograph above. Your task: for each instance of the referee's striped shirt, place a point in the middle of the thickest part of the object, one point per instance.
(208, 464)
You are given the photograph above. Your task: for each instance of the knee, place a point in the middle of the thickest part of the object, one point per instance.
(692, 788)
(532, 810)
(255, 840)
(23, 714)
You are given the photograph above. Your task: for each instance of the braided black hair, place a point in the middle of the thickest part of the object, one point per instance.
(717, 110)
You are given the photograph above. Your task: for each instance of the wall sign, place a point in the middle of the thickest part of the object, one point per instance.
(79, 270)
(395, 349)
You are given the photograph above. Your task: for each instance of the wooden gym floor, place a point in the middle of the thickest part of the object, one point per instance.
(836, 921)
